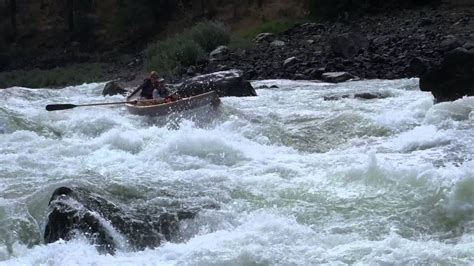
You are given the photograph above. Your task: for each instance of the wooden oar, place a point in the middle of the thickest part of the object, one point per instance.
(56, 107)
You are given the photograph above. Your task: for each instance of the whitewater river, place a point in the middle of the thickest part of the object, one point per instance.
(297, 180)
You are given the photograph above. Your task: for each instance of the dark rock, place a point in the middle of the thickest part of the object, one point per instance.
(360, 95)
(425, 22)
(369, 95)
(417, 67)
(278, 43)
(112, 88)
(219, 54)
(449, 43)
(335, 97)
(265, 37)
(315, 73)
(225, 83)
(300, 76)
(348, 44)
(313, 27)
(336, 77)
(291, 61)
(468, 45)
(74, 211)
(274, 87)
(191, 70)
(453, 78)
(381, 40)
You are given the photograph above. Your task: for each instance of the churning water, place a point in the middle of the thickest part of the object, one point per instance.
(298, 180)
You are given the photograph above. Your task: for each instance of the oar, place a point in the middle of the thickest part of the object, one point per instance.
(56, 107)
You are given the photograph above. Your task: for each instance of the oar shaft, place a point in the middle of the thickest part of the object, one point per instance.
(57, 107)
(98, 104)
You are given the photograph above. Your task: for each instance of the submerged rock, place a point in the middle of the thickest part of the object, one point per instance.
(225, 83)
(336, 77)
(74, 211)
(112, 88)
(453, 78)
(359, 95)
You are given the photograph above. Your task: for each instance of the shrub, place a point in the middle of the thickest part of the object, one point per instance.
(276, 26)
(209, 35)
(185, 49)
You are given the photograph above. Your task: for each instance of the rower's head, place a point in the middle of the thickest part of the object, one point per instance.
(154, 75)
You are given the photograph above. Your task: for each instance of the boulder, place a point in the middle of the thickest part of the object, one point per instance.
(449, 43)
(453, 78)
(265, 37)
(417, 67)
(219, 54)
(336, 77)
(112, 88)
(348, 44)
(468, 45)
(278, 43)
(425, 22)
(359, 95)
(225, 83)
(74, 211)
(291, 61)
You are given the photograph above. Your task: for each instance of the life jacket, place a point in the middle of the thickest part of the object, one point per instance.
(147, 89)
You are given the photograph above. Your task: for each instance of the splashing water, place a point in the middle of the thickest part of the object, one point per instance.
(299, 180)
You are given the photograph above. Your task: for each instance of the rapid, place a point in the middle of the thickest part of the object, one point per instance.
(298, 180)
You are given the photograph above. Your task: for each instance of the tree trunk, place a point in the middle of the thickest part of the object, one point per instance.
(70, 14)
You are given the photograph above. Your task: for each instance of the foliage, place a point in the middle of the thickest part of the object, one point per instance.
(209, 35)
(276, 26)
(185, 49)
(70, 75)
(237, 42)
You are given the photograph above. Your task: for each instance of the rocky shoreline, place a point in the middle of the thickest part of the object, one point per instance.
(387, 46)
(403, 44)
(399, 44)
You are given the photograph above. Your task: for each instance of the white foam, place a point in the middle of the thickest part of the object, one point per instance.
(298, 180)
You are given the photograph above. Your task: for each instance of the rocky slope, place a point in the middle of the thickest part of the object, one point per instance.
(386, 46)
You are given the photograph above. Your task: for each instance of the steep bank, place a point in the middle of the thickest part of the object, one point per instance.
(389, 45)
(386, 46)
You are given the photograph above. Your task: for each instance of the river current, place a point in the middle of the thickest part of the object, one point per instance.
(298, 180)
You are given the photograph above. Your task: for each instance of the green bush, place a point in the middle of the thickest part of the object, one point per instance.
(209, 35)
(185, 49)
(276, 27)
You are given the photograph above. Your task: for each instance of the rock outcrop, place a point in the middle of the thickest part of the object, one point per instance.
(348, 44)
(225, 83)
(74, 211)
(336, 77)
(453, 78)
(112, 88)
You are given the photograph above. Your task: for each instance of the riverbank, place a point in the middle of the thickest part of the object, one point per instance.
(393, 45)
(386, 46)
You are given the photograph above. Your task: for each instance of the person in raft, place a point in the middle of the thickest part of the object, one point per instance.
(153, 88)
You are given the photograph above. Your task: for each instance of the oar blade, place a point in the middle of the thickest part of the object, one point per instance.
(57, 107)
